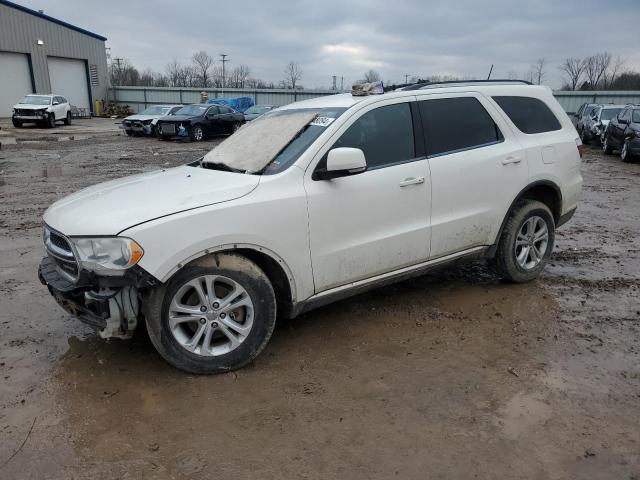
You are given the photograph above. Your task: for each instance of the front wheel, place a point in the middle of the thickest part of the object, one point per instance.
(606, 148)
(625, 154)
(196, 133)
(214, 316)
(16, 123)
(51, 120)
(526, 242)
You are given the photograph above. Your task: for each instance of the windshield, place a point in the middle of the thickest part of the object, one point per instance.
(192, 110)
(157, 110)
(636, 116)
(257, 109)
(609, 113)
(36, 100)
(273, 142)
(589, 110)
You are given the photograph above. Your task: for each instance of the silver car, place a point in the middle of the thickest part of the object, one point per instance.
(596, 124)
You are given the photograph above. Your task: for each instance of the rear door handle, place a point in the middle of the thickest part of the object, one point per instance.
(412, 181)
(511, 159)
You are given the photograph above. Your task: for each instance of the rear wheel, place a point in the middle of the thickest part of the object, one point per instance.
(606, 148)
(16, 123)
(67, 120)
(236, 126)
(196, 133)
(214, 316)
(526, 242)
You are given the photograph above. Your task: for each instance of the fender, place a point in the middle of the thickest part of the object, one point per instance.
(235, 246)
(556, 215)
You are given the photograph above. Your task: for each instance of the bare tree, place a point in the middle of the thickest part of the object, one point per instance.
(573, 68)
(123, 73)
(292, 74)
(539, 71)
(371, 76)
(202, 62)
(239, 76)
(174, 70)
(614, 70)
(596, 68)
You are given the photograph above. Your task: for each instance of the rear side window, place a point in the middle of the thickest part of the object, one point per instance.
(453, 124)
(385, 135)
(530, 115)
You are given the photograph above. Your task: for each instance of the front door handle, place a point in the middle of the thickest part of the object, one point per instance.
(412, 181)
(511, 159)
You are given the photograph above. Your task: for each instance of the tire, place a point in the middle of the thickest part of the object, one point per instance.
(51, 120)
(584, 138)
(16, 123)
(625, 155)
(196, 134)
(177, 340)
(524, 215)
(67, 120)
(129, 133)
(165, 138)
(235, 127)
(606, 148)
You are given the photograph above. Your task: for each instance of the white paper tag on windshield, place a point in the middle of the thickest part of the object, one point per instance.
(322, 121)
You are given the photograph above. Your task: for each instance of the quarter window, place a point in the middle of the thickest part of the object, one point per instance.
(530, 115)
(385, 135)
(454, 124)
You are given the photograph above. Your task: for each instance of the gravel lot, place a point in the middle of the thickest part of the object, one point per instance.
(451, 375)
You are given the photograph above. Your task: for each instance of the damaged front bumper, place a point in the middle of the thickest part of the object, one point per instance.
(111, 305)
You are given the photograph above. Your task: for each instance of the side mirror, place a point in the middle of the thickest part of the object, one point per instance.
(341, 162)
(55, 102)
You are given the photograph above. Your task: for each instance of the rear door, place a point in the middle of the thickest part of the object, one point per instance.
(227, 119)
(211, 124)
(377, 221)
(477, 168)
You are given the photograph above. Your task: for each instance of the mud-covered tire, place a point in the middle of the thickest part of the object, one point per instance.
(505, 263)
(241, 270)
(16, 123)
(67, 120)
(51, 120)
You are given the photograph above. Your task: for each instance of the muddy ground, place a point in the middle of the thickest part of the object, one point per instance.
(452, 375)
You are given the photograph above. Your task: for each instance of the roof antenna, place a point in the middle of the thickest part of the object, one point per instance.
(490, 70)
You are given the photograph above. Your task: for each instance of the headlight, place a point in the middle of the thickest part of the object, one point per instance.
(109, 255)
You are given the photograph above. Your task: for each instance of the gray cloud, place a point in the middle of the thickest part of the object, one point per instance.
(346, 38)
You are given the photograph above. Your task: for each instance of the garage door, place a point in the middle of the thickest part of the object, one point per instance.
(69, 79)
(15, 80)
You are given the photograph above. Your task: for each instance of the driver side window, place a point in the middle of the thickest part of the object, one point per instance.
(213, 111)
(385, 135)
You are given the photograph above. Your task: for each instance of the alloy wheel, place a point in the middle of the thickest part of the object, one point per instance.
(197, 133)
(624, 151)
(531, 243)
(211, 315)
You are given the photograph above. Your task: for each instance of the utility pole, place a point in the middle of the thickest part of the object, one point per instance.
(334, 83)
(224, 60)
(341, 84)
(406, 78)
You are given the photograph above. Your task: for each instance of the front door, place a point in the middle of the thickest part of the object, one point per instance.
(374, 222)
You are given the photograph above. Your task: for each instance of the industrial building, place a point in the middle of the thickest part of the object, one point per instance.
(41, 54)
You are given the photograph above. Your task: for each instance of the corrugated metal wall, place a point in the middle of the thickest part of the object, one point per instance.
(20, 31)
(140, 97)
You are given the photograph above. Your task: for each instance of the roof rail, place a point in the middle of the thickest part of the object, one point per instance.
(418, 86)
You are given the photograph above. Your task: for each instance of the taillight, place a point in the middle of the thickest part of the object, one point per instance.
(580, 147)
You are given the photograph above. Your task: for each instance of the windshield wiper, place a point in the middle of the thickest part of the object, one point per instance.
(220, 166)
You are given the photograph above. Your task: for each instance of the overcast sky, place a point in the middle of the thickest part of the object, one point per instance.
(347, 37)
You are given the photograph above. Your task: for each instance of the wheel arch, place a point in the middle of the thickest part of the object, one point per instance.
(544, 191)
(269, 262)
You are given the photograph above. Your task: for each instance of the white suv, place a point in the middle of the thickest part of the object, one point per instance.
(41, 109)
(310, 203)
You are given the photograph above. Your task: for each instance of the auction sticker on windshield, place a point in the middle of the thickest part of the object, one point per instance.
(322, 121)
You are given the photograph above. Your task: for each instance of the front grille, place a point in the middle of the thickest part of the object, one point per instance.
(60, 251)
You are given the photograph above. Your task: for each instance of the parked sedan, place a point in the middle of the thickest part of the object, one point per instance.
(199, 121)
(145, 121)
(254, 112)
(596, 124)
(623, 133)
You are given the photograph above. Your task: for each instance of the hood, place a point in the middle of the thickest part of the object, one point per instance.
(111, 207)
(142, 118)
(27, 106)
(178, 118)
